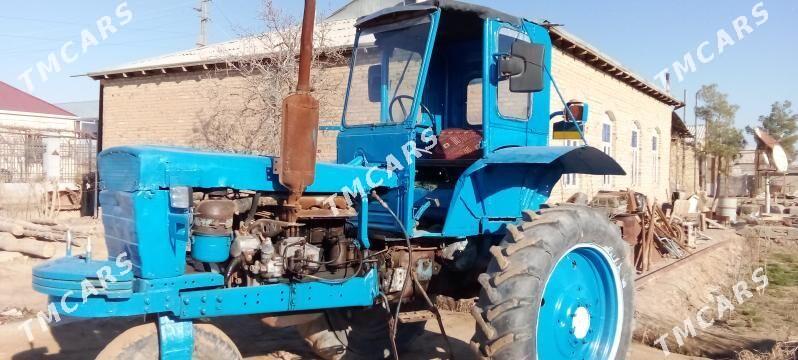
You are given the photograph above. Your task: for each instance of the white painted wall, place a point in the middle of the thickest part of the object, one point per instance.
(24, 120)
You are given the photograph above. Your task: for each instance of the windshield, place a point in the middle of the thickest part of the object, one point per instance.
(385, 72)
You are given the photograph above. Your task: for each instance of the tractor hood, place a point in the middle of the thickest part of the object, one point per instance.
(134, 168)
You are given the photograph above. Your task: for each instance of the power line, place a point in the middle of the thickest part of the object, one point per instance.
(226, 18)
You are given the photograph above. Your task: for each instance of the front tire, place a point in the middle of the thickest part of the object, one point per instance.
(559, 286)
(141, 343)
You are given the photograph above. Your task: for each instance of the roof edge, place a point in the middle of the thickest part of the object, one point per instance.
(561, 39)
(580, 49)
(40, 115)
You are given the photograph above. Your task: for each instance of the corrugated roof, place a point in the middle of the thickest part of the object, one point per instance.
(357, 8)
(699, 132)
(337, 34)
(678, 128)
(13, 99)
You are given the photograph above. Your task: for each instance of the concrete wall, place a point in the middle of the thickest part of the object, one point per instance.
(164, 109)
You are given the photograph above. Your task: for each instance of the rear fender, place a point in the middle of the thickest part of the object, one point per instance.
(495, 189)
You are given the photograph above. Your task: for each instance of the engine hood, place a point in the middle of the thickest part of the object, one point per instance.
(135, 168)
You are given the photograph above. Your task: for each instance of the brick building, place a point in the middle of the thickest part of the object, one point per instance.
(683, 159)
(156, 101)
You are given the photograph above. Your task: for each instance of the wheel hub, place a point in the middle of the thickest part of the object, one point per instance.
(581, 322)
(580, 314)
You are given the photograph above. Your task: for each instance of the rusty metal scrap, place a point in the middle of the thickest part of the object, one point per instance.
(644, 226)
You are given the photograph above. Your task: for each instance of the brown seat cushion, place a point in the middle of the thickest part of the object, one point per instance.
(458, 144)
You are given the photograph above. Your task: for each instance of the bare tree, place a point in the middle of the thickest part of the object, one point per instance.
(245, 115)
(723, 141)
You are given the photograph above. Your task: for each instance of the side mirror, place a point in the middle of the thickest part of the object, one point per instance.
(575, 114)
(576, 111)
(524, 67)
(375, 83)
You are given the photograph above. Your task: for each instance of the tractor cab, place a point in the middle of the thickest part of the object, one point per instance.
(435, 88)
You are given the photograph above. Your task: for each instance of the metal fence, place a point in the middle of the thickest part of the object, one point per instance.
(78, 158)
(22, 158)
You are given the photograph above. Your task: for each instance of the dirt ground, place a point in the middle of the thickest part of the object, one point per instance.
(77, 340)
(663, 301)
(667, 299)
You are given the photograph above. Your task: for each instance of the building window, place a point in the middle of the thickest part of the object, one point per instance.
(606, 147)
(570, 179)
(655, 157)
(635, 157)
(474, 102)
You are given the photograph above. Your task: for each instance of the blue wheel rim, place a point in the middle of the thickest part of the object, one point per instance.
(579, 313)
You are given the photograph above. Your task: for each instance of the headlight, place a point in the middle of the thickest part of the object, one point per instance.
(180, 197)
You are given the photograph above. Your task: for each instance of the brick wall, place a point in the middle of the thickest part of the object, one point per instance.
(682, 166)
(166, 108)
(624, 109)
(158, 109)
(163, 109)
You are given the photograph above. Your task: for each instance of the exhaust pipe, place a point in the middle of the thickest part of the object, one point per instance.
(296, 166)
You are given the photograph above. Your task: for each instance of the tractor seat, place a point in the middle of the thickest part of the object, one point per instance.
(458, 144)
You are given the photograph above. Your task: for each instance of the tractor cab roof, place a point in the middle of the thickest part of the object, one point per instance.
(449, 8)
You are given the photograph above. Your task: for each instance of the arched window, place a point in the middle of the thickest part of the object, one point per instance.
(607, 140)
(655, 156)
(634, 143)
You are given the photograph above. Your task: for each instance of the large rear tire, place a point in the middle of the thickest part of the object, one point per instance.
(141, 343)
(356, 334)
(559, 286)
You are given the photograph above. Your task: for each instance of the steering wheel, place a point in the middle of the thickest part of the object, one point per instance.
(401, 105)
(404, 109)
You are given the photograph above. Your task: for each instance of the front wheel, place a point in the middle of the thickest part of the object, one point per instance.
(141, 343)
(559, 286)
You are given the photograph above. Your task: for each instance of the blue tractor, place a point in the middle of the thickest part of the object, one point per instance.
(443, 171)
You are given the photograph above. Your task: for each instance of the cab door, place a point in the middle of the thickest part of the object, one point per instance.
(506, 114)
(388, 74)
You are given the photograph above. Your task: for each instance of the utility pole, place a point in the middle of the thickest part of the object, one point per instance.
(698, 157)
(202, 39)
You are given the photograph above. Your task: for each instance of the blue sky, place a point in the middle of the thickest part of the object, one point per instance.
(645, 36)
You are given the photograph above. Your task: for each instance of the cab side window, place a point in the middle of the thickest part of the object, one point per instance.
(512, 105)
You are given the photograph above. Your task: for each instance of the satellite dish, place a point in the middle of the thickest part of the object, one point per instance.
(770, 146)
(779, 158)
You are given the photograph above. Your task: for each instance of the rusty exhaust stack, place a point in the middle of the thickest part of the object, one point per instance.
(297, 162)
